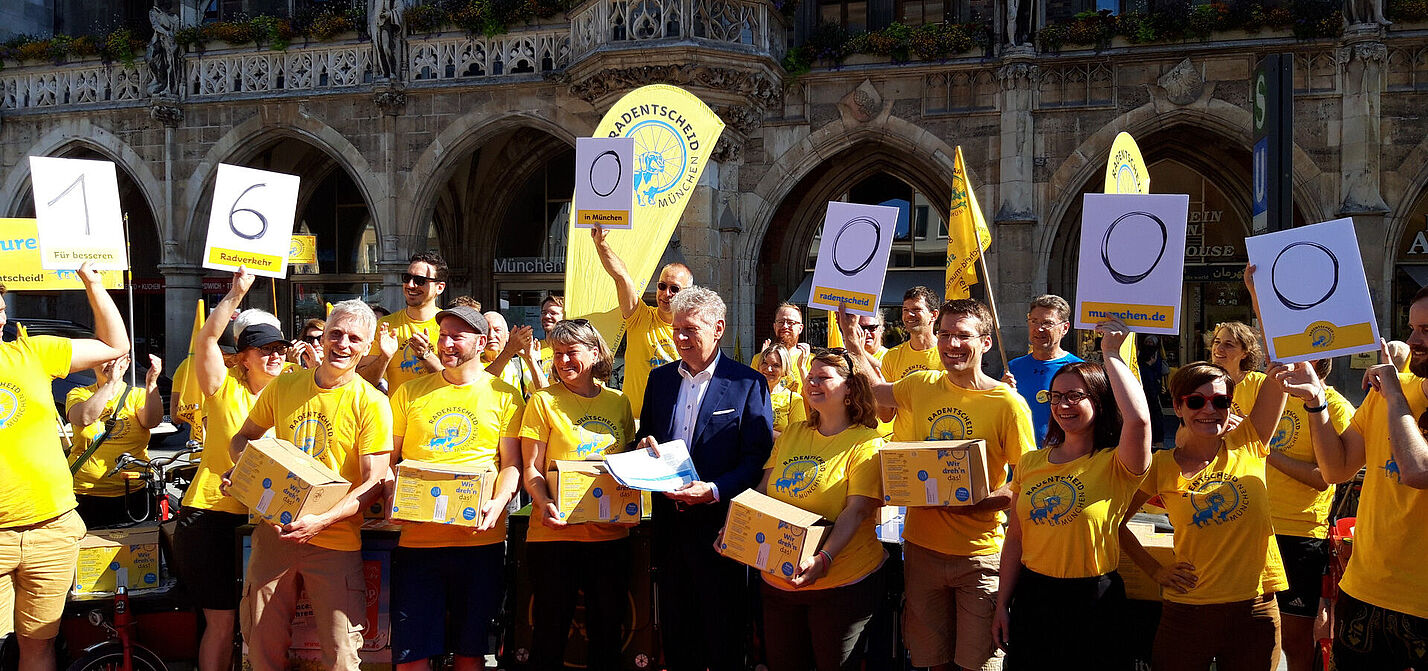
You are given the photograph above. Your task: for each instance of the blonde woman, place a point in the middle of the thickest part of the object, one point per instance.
(788, 404)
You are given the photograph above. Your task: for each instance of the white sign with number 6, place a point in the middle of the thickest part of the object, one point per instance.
(251, 223)
(77, 205)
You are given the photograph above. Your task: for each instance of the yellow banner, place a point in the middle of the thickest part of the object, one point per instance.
(253, 260)
(1126, 173)
(1156, 316)
(20, 262)
(965, 229)
(674, 134)
(190, 396)
(1323, 336)
(303, 249)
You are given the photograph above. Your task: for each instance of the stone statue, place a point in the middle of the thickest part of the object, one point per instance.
(1016, 34)
(384, 24)
(1365, 11)
(164, 55)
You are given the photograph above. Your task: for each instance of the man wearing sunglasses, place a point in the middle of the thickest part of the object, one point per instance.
(1381, 615)
(952, 554)
(1047, 323)
(406, 339)
(648, 330)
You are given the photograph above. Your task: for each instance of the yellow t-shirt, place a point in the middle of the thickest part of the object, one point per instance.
(127, 436)
(1070, 513)
(930, 407)
(336, 426)
(1296, 508)
(818, 473)
(405, 365)
(1221, 520)
(35, 485)
(190, 400)
(1246, 391)
(1387, 568)
(224, 413)
(574, 427)
(650, 344)
(787, 407)
(903, 360)
(514, 374)
(443, 423)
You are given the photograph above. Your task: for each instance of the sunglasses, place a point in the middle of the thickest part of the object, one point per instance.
(277, 348)
(671, 288)
(835, 351)
(418, 280)
(1197, 401)
(314, 339)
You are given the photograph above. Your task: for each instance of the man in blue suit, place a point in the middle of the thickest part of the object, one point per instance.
(720, 408)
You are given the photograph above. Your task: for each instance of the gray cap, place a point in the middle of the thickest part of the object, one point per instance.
(470, 315)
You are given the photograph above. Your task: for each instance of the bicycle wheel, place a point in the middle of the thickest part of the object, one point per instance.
(109, 656)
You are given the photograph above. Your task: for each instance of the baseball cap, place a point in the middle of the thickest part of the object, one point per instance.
(258, 335)
(467, 314)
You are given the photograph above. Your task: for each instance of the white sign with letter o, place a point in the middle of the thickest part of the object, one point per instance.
(604, 182)
(251, 222)
(77, 206)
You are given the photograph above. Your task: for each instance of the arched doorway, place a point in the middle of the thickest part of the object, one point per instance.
(866, 173)
(145, 254)
(1216, 177)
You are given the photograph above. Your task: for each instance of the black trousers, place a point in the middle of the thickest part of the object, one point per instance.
(562, 570)
(1055, 621)
(703, 601)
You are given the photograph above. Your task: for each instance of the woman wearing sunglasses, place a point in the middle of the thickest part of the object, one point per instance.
(1062, 545)
(828, 465)
(203, 540)
(1219, 592)
(788, 407)
(576, 418)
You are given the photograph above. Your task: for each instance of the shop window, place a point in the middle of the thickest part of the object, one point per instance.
(851, 14)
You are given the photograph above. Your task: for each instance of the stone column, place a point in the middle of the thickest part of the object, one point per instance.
(1011, 260)
(183, 287)
(1361, 57)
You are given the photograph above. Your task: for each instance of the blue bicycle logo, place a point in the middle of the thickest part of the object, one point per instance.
(660, 158)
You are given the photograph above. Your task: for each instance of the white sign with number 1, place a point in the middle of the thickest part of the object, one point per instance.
(77, 205)
(251, 222)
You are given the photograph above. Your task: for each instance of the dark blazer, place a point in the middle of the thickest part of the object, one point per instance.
(732, 436)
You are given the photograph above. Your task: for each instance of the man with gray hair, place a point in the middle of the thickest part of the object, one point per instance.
(1047, 322)
(720, 408)
(338, 418)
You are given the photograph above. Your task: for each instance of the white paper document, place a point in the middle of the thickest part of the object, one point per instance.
(641, 469)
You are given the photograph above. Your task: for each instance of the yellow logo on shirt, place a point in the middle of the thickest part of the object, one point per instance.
(1285, 432)
(596, 435)
(451, 429)
(311, 433)
(798, 476)
(950, 424)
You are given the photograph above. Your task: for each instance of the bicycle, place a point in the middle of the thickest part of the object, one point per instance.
(121, 650)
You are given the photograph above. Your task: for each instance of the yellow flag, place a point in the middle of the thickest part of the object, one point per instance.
(674, 134)
(835, 335)
(186, 383)
(1126, 173)
(966, 228)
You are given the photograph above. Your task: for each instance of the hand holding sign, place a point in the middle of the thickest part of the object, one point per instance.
(1132, 261)
(1312, 293)
(77, 205)
(251, 221)
(604, 181)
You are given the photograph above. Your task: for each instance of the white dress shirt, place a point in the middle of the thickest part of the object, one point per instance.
(686, 407)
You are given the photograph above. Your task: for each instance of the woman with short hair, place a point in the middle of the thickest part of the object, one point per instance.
(577, 417)
(1060, 592)
(788, 405)
(828, 465)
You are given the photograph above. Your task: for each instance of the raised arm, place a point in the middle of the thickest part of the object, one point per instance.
(1339, 456)
(1269, 403)
(88, 411)
(207, 364)
(1134, 448)
(151, 414)
(110, 340)
(374, 365)
(852, 332)
(625, 288)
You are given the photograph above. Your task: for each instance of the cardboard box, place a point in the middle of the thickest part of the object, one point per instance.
(586, 492)
(441, 493)
(113, 557)
(935, 473)
(1139, 585)
(280, 483)
(770, 535)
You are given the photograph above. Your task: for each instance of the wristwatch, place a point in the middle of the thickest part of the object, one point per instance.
(1317, 408)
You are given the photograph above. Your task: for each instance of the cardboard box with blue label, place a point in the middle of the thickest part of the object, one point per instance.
(441, 493)
(280, 483)
(770, 535)
(586, 492)
(935, 473)
(112, 557)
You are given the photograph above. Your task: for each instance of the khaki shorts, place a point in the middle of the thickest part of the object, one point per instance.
(36, 571)
(334, 583)
(948, 608)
